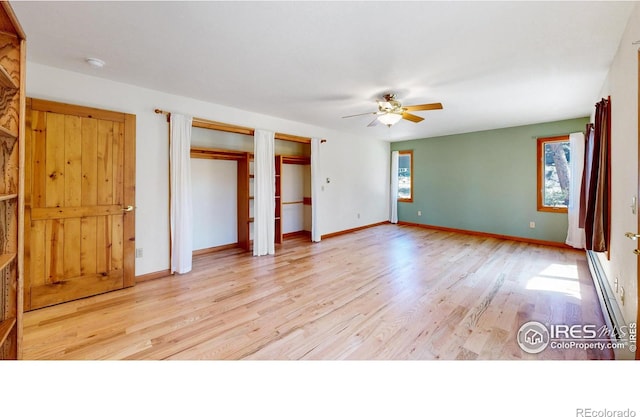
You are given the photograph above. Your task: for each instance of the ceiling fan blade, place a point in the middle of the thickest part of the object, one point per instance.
(420, 107)
(361, 114)
(411, 117)
(374, 122)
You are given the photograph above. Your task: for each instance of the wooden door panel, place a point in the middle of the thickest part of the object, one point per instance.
(118, 165)
(37, 192)
(105, 162)
(36, 253)
(54, 251)
(72, 161)
(72, 248)
(117, 243)
(54, 160)
(89, 158)
(81, 165)
(89, 247)
(75, 288)
(103, 244)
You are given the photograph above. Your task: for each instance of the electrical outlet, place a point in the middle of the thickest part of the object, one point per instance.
(358, 215)
(532, 225)
(138, 252)
(419, 212)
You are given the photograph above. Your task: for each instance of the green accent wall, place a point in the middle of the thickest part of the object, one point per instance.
(484, 181)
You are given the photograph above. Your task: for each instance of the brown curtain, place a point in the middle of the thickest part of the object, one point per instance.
(596, 183)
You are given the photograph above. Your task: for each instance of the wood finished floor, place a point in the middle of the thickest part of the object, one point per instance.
(388, 292)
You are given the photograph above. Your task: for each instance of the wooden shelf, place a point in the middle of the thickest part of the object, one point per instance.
(4, 197)
(12, 82)
(5, 259)
(6, 81)
(5, 329)
(6, 133)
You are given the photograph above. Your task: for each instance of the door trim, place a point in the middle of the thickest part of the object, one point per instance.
(638, 216)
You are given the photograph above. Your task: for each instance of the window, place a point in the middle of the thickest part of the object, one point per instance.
(405, 176)
(554, 174)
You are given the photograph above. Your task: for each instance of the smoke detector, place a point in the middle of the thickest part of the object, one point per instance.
(95, 62)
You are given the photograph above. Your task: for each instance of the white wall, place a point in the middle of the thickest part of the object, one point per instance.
(622, 86)
(292, 188)
(215, 202)
(358, 166)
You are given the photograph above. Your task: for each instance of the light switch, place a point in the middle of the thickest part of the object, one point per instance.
(634, 205)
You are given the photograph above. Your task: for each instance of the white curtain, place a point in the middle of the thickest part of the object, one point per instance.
(393, 197)
(316, 183)
(181, 205)
(575, 234)
(264, 193)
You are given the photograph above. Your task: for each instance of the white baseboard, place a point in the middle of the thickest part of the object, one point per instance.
(608, 303)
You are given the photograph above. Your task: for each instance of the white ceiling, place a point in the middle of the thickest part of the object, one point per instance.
(491, 64)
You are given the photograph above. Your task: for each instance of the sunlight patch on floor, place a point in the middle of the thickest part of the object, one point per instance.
(557, 278)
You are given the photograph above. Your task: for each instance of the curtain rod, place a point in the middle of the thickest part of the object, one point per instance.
(210, 124)
(555, 135)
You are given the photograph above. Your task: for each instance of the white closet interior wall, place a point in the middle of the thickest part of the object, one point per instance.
(292, 198)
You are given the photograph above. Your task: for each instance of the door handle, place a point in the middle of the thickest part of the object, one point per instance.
(636, 251)
(632, 236)
(128, 208)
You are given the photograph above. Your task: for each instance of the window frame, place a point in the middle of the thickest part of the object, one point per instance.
(410, 153)
(540, 173)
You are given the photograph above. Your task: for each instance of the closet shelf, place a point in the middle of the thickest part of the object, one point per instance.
(6, 133)
(5, 328)
(5, 259)
(6, 81)
(4, 197)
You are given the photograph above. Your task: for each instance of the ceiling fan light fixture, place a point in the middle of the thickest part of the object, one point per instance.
(389, 119)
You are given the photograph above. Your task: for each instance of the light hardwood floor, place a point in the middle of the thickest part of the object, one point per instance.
(387, 292)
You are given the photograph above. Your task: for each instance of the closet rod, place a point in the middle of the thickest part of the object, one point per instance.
(210, 124)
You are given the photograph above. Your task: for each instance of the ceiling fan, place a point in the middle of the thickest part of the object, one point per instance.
(390, 111)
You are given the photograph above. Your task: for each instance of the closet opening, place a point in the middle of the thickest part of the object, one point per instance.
(222, 181)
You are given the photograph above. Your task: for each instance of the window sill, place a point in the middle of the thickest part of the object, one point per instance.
(553, 209)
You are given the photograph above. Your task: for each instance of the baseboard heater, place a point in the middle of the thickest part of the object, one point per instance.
(610, 309)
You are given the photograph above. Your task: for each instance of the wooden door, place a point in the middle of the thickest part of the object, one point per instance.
(79, 184)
